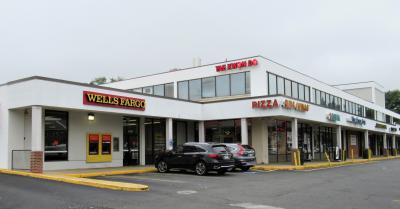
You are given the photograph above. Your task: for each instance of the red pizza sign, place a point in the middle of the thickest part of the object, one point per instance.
(236, 65)
(265, 104)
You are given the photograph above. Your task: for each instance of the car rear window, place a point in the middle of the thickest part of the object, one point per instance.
(219, 149)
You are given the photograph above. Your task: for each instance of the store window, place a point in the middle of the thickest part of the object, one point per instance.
(238, 84)
(301, 91)
(169, 90)
(208, 85)
(281, 86)
(279, 141)
(272, 84)
(155, 138)
(148, 90)
(295, 90)
(223, 85)
(288, 88)
(56, 136)
(225, 131)
(307, 93)
(195, 89)
(183, 90)
(159, 90)
(248, 88)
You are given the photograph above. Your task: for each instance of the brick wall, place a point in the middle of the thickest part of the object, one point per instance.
(37, 162)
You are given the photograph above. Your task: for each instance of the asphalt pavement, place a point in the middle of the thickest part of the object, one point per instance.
(366, 186)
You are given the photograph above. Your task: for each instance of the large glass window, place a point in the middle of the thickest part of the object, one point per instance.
(323, 98)
(195, 89)
(307, 93)
(238, 84)
(183, 90)
(169, 90)
(279, 141)
(148, 90)
(301, 91)
(159, 90)
(223, 85)
(288, 88)
(295, 90)
(208, 85)
(248, 90)
(281, 86)
(56, 135)
(224, 131)
(318, 97)
(272, 84)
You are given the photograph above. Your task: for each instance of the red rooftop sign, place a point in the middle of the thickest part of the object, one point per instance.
(236, 65)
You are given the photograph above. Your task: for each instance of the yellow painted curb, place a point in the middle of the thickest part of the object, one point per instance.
(82, 181)
(112, 173)
(318, 165)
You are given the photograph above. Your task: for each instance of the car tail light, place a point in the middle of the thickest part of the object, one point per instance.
(241, 151)
(213, 156)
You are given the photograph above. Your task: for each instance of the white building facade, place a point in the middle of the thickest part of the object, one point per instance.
(50, 124)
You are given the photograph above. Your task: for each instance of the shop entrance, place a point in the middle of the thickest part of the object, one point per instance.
(155, 138)
(376, 144)
(323, 143)
(131, 141)
(305, 140)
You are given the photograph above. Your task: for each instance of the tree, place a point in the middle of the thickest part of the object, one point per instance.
(393, 100)
(103, 80)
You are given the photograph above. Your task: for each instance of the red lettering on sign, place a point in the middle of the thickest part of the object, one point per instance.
(236, 65)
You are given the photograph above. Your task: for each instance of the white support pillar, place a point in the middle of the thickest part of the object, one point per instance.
(37, 129)
(339, 137)
(169, 143)
(37, 154)
(142, 143)
(394, 144)
(202, 137)
(366, 139)
(244, 131)
(295, 138)
(338, 152)
(344, 145)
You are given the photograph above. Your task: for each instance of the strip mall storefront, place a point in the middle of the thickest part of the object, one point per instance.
(52, 124)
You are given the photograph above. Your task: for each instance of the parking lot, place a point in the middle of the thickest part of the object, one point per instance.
(375, 185)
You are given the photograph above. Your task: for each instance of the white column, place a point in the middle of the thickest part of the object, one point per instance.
(344, 145)
(244, 131)
(366, 139)
(259, 134)
(142, 143)
(339, 137)
(37, 129)
(385, 141)
(202, 137)
(169, 134)
(175, 89)
(393, 142)
(295, 139)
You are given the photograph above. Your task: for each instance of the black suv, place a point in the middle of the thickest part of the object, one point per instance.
(199, 157)
(244, 155)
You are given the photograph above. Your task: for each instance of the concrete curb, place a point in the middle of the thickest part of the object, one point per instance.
(319, 165)
(112, 173)
(82, 181)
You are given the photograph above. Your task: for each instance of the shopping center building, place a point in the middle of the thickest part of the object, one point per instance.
(52, 124)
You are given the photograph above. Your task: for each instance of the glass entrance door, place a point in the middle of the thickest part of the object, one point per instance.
(131, 141)
(305, 140)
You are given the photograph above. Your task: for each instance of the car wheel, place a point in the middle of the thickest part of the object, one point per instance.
(246, 168)
(162, 167)
(201, 168)
(221, 172)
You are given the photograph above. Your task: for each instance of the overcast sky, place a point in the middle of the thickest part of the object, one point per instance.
(337, 41)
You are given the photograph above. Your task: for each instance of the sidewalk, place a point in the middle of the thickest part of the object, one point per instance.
(79, 177)
(316, 165)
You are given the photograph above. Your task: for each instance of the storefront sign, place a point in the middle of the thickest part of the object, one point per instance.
(382, 126)
(107, 100)
(356, 121)
(333, 117)
(392, 129)
(265, 104)
(236, 65)
(298, 106)
(353, 140)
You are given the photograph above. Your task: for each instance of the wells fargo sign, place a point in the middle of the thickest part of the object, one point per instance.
(236, 65)
(107, 100)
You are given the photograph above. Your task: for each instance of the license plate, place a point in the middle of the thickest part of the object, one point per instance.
(251, 155)
(226, 157)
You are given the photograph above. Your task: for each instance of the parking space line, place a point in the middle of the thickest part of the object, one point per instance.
(150, 179)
